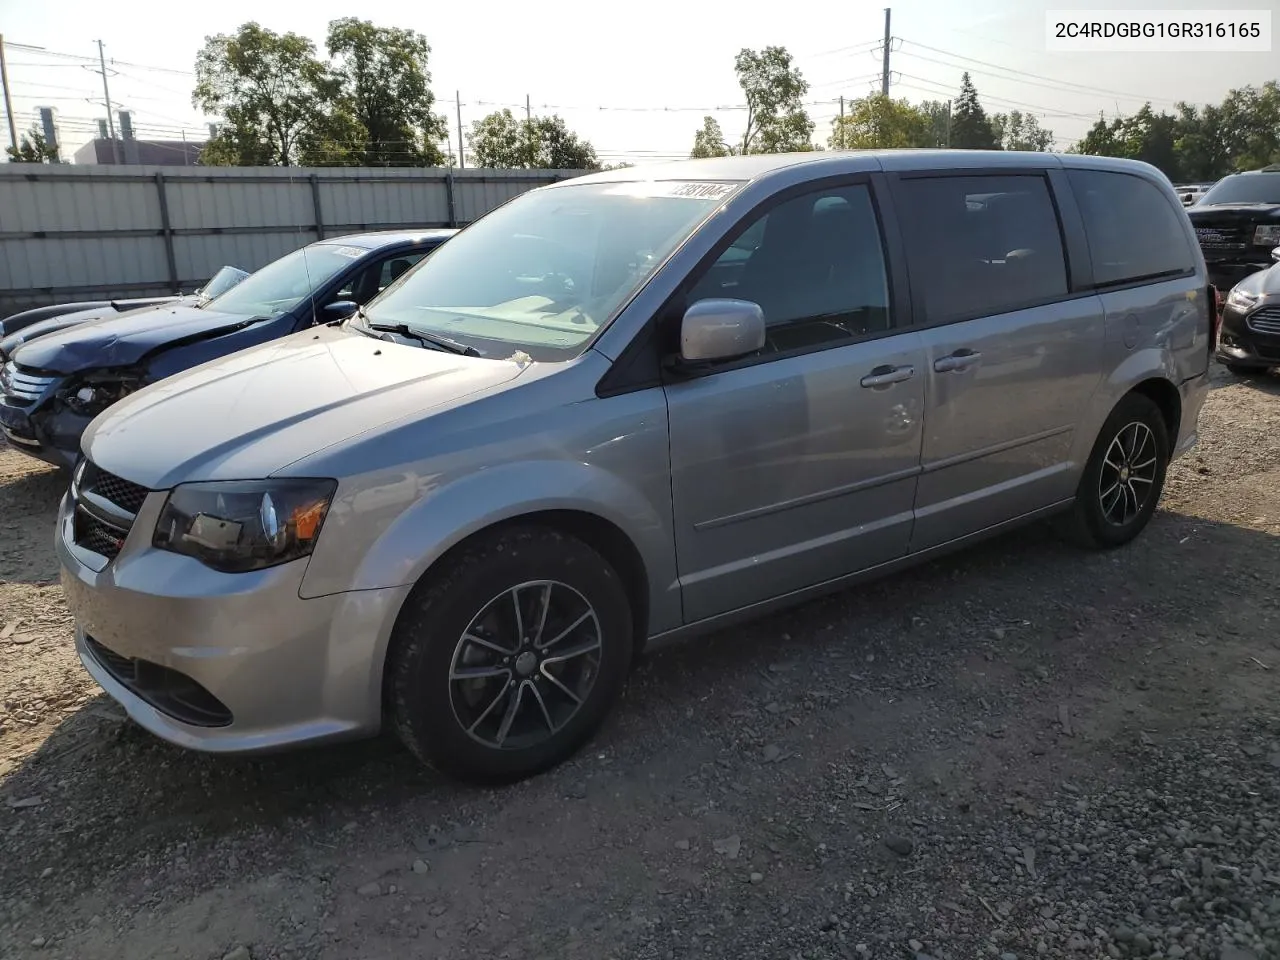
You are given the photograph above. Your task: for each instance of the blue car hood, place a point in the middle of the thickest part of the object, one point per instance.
(125, 339)
(74, 318)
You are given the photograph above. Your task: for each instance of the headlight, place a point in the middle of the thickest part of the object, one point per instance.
(246, 524)
(1241, 299)
(1267, 234)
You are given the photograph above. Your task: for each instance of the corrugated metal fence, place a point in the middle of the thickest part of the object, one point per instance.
(93, 232)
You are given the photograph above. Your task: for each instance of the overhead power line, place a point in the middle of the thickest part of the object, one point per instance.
(60, 55)
(941, 89)
(1056, 83)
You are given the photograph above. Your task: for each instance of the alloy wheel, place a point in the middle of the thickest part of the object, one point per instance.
(1127, 479)
(525, 665)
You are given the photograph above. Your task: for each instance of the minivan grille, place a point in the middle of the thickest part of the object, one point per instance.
(94, 526)
(1266, 320)
(125, 494)
(93, 533)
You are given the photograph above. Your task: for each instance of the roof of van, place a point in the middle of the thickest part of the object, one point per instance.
(376, 239)
(827, 162)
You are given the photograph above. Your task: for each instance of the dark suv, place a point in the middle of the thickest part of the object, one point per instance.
(1238, 225)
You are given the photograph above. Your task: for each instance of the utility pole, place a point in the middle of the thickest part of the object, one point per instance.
(528, 111)
(840, 138)
(948, 124)
(8, 99)
(111, 124)
(462, 160)
(888, 42)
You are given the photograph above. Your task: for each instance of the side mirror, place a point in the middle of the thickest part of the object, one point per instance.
(1275, 254)
(721, 329)
(338, 310)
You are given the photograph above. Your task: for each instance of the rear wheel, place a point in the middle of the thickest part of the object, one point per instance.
(506, 661)
(1123, 479)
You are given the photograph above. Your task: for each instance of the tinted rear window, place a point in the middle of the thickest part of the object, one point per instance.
(983, 245)
(1134, 232)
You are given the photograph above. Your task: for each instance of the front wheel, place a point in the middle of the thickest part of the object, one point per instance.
(1123, 479)
(506, 661)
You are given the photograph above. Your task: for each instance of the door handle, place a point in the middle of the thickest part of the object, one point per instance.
(960, 360)
(883, 376)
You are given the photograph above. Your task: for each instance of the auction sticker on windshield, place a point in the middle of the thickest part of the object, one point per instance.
(689, 189)
(353, 252)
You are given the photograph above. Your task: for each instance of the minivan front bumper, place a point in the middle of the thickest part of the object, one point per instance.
(224, 663)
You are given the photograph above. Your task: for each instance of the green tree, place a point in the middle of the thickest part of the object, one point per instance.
(1021, 131)
(709, 141)
(1250, 120)
(774, 89)
(33, 148)
(1199, 144)
(970, 128)
(880, 121)
(1100, 140)
(939, 114)
(385, 88)
(499, 140)
(270, 89)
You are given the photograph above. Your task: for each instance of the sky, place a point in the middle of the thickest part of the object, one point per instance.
(633, 79)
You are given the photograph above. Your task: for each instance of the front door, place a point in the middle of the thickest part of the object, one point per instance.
(799, 465)
(1011, 357)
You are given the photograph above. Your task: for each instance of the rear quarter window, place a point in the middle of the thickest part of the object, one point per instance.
(1134, 232)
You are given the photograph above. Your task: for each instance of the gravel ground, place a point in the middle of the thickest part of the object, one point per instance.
(1020, 751)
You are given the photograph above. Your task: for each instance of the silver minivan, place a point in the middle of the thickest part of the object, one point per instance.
(623, 409)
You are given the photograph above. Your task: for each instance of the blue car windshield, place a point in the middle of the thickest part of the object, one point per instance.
(542, 274)
(283, 284)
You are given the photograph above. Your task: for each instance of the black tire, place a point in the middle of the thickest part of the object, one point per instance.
(1244, 369)
(423, 701)
(1089, 523)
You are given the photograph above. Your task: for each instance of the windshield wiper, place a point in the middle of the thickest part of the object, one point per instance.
(427, 339)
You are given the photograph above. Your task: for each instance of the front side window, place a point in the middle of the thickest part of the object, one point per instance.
(814, 264)
(982, 246)
(373, 279)
(283, 284)
(1134, 233)
(544, 273)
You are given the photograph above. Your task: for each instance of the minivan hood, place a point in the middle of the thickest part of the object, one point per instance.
(255, 412)
(121, 339)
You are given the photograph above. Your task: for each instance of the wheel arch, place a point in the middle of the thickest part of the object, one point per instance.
(602, 535)
(1162, 392)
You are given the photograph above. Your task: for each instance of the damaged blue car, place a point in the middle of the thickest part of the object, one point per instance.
(54, 384)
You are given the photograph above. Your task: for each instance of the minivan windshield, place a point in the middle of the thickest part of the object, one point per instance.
(542, 274)
(1244, 188)
(282, 284)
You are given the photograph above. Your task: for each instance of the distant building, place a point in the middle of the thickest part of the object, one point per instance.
(151, 153)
